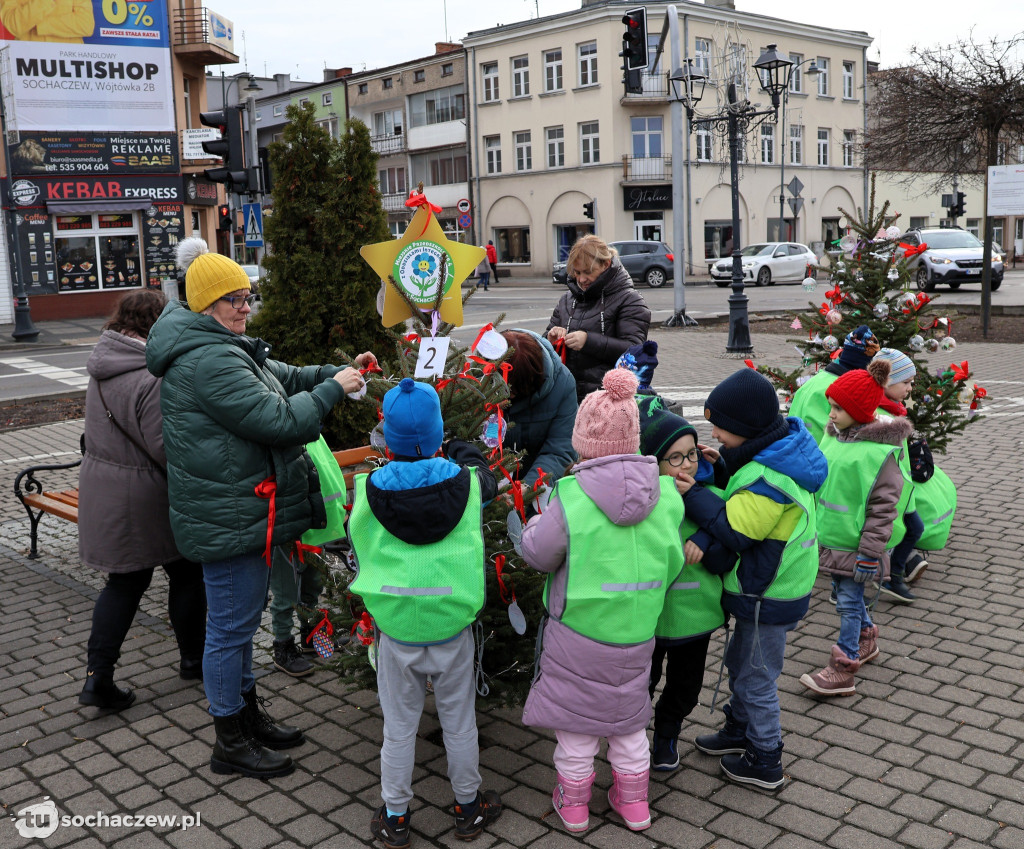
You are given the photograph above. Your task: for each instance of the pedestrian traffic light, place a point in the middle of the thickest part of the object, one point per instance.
(634, 40)
(229, 147)
(225, 217)
(588, 210)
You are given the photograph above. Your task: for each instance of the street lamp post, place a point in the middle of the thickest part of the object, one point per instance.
(812, 71)
(738, 116)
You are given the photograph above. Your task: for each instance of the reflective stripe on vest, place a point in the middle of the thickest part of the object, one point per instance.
(616, 575)
(419, 594)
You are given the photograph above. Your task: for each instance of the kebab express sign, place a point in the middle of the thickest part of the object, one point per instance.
(26, 193)
(66, 154)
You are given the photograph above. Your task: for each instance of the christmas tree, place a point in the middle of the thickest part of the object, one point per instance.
(870, 284)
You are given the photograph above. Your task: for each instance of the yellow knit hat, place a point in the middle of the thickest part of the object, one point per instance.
(208, 276)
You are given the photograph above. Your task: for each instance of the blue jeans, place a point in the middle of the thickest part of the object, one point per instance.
(915, 530)
(754, 669)
(236, 591)
(853, 615)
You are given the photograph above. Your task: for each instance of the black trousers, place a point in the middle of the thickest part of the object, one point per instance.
(118, 603)
(684, 677)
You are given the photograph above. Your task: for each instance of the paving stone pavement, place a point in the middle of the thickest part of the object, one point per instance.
(928, 754)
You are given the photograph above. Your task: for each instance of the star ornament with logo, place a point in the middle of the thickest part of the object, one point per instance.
(414, 263)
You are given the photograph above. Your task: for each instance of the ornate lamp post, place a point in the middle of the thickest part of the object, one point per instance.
(739, 116)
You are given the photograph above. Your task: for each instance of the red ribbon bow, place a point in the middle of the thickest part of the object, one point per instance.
(516, 488)
(363, 629)
(268, 489)
(419, 199)
(913, 250)
(960, 372)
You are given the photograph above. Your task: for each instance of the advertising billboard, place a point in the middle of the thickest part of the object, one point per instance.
(61, 154)
(87, 65)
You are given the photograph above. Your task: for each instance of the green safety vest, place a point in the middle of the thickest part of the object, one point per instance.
(810, 404)
(333, 491)
(798, 566)
(617, 576)
(853, 469)
(936, 505)
(419, 594)
(693, 603)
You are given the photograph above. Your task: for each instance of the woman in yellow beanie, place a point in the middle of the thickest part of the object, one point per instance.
(241, 484)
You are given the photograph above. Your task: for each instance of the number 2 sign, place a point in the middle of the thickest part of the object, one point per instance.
(433, 353)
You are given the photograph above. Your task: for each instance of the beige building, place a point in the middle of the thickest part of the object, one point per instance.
(552, 129)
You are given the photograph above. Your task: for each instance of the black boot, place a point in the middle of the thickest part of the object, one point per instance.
(264, 729)
(236, 750)
(289, 659)
(191, 670)
(101, 691)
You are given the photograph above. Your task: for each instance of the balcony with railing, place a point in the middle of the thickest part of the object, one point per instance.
(394, 201)
(653, 87)
(192, 37)
(646, 169)
(388, 143)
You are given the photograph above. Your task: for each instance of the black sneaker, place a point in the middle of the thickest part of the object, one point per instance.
(470, 820)
(665, 755)
(896, 589)
(393, 832)
(915, 566)
(289, 659)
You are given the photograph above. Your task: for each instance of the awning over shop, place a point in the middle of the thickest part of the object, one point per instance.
(71, 207)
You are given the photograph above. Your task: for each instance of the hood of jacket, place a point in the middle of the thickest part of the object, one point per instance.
(179, 331)
(888, 431)
(612, 279)
(797, 456)
(116, 354)
(624, 486)
(419, 502)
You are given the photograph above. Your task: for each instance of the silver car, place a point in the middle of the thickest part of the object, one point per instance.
(768, 262)
(953, 256)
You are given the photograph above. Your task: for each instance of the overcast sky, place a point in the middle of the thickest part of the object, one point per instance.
(303, 37)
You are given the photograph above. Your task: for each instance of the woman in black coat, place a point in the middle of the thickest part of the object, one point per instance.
(599, 317)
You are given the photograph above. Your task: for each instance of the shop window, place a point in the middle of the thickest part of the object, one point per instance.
(97, 251)
(513, 244)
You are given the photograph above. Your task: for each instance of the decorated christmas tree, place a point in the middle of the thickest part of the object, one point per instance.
(870, 284)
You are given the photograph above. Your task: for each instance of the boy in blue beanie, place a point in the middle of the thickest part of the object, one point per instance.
(417, 536)
(768, 518)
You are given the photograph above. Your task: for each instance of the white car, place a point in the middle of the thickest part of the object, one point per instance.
(768, 262)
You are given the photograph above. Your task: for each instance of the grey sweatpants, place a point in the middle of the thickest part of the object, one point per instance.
(402, 672)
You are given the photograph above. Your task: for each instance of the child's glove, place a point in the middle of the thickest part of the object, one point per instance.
(866, 568)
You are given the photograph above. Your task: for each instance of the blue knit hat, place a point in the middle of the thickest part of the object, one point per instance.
(642, 360)
(413, 426)
(903, 367)
(858, 348)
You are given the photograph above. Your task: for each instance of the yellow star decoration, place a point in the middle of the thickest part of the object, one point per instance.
(414, 262)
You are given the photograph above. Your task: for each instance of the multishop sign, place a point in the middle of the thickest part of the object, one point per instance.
(25, 193)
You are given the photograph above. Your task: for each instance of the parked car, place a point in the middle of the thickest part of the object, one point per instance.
(646, 262)
(254, 273)
(768, 262)
(953, 256)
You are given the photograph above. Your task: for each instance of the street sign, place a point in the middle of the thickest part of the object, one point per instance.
(252, 215)
(192, 142)
(464, 205)
(796, 204)
(465, 220)
(795, 186)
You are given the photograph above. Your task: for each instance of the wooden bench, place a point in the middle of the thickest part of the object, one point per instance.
(63, 504)
(356, 461)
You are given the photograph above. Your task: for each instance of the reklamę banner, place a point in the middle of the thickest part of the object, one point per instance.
(88, 65)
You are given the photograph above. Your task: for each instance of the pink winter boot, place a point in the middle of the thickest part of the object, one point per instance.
(868, 643)
(836, 679)
(628, 798)
(570, 800)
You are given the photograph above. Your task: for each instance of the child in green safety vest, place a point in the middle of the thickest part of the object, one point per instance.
(768, 518)
(858, 510)
(693, 604)
(609, 540)
(417, 537)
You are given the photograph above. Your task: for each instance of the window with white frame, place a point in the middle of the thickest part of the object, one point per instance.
(326, 99)
(391, 180)
(767, 144)
(492, 154)
(823, 134)
(524, 151)
(555, 140)
(849, 139)
(796, 77)
(387, 123)
(647, 141)
(587, 61)
(702, 57)
(438, 106)
(590, 144)
(303, 101)
(441, 168)
(489, 75)
(796, 144)
(553, 70)
(520, 76)
(737, 58)
(704, 141)
(848, 82)
(278, 110)
(822, 64)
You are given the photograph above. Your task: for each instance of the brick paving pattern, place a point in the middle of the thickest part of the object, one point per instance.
(928, 754)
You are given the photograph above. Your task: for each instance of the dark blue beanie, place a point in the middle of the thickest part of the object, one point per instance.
(858, 348)
(659, 428)
(745, 403)
(413, 426)
(642, 360)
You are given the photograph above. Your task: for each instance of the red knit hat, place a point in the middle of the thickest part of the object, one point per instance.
(860, 391)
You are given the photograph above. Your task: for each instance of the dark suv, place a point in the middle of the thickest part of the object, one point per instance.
(646, 262)
(953, 257)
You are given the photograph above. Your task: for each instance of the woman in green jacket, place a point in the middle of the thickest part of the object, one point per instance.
(239, 480)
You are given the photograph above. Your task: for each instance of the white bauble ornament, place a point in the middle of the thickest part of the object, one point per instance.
(809, 284)
(840, 267)
(932, 345)
(916, 343)
(830, 343)
(881, 310)
(948, 344)
(907, 301)
(833, 316)
(892, 231)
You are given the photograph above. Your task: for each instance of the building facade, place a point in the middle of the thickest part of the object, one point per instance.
(553, 129)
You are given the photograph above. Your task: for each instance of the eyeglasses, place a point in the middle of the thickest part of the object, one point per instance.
(238, 301)
(676, 460)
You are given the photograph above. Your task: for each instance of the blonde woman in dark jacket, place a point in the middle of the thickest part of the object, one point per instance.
(124, 525)
(599, 317)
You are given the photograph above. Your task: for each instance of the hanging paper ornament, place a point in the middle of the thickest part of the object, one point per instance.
(948, 344)
(916, 342)
(489, 343)
(830, 343)
(833, 317)
(494, 430)
(892, 232)
(893, 275)
(881, 310)
(796, 325)
(809, 284)
(932, 345)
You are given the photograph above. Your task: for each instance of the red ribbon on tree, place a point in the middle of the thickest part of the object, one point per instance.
(268, 489)
(960, 372)
(419, 199)
(325, 629)
(363, 629)
(516, 488)
(301, 549)
(503, 591)
(371, 368)
(480, 335)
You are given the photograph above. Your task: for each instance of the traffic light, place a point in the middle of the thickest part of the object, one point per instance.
(960, 204)
(225, 217)
(229, 147)
(588, 210)
(634, 40)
